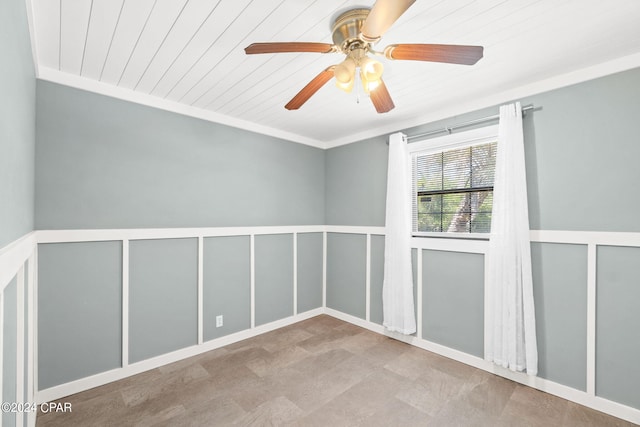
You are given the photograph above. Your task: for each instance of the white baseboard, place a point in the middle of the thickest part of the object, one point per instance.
(83, 384)
(578, 396)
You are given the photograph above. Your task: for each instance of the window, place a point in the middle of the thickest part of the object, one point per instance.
(453, 183)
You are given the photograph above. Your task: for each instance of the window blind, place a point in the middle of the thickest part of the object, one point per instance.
(453, 189)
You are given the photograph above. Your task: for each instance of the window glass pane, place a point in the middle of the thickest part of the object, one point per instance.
(457, 213)
(484, 165)
(456, 168)
(481, 214)
(430, 222)
(430, 204)
(429, 170)
(429, 213)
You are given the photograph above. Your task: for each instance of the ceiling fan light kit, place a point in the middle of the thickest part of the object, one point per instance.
(354, 32)
(370, 71)
(345, 71)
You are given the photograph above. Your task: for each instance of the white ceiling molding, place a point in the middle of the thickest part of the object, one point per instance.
(556, 82)
(55, 76)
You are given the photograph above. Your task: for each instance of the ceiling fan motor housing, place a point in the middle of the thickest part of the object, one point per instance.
(346, 30)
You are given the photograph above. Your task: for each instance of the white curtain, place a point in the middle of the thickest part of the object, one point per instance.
(511, 340)
(397, 288)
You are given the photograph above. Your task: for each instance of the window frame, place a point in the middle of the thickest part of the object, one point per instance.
(452, 141)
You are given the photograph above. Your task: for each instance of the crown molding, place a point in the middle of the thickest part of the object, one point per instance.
(562, 80)
(78, 82)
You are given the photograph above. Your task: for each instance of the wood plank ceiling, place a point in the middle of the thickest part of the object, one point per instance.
(190, 53)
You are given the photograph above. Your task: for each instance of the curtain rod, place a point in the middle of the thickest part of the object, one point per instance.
(448, 129)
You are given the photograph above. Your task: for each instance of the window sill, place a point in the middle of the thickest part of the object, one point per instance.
(458, 236)
(460, 243)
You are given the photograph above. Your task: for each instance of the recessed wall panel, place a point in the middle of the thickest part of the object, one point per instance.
(346, 273)
(163, 292)
(377, 277)
(274, 277)
(227, 285)
(309, 271)
(79, 310)
(453, 300)
(560, 298)
(618, 325)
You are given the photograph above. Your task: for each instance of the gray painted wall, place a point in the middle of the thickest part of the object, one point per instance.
(309, 279)
(106, 163)
(377, 277)
(560, 295)
(618, 321)
(274, 277)
(356, 183)
(226, 285)
(163, 296)
(17, 123)
(589, 127)
(79, 310)
(346, 272)
(453, 300)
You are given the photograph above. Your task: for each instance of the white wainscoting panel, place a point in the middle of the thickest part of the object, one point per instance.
(14, 256)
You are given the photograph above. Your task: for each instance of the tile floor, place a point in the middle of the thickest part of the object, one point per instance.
(320, 372)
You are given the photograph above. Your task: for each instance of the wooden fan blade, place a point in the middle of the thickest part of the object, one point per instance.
(383, 14)
(453, 54)
(381, 98)
(311, 88)
(288, 47)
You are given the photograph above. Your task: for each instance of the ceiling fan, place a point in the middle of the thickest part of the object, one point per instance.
(354, 34)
